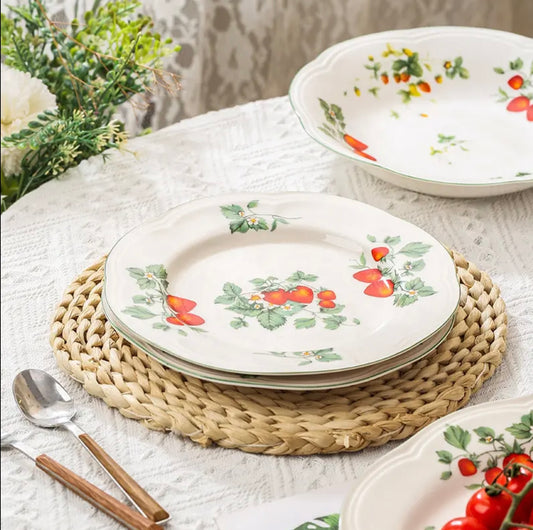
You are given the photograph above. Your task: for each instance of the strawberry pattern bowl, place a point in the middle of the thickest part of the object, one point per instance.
(445, 111)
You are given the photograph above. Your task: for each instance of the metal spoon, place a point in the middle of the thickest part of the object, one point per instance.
(47, 404)
(87, 491)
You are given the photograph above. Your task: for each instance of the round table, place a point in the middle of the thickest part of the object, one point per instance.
(53, 233)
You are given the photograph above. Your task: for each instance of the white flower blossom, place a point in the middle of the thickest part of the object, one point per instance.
(23, 98)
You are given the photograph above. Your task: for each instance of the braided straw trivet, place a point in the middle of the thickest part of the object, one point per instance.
(274, 421)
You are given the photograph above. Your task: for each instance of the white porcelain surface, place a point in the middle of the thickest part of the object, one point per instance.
(409, 477)
(287, 382)
(227, 316)
(453, 137)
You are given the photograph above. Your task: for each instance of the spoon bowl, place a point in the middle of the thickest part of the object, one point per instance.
(42, 399)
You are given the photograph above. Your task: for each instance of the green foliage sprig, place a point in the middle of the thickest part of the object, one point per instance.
(91, 66)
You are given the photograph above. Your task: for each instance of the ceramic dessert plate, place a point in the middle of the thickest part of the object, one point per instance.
(446, 110)
(292, 283)
(287, 382)
(429, 479)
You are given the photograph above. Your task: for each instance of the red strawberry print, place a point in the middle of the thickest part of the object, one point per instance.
(278, 297)
(516, 82)
(466, 467)
(327, 295)
(518, 104)
(191, 320)
(424, 86)
(380, 289)
(405, 77)
(385, 79)
(186, 318)
(174, 320)
(364, 155)
(180, 305)
(529, 114)
(368, 275)
(328, 304)
(301, 294)
(379, 253)
(356, 144)
(397, 78)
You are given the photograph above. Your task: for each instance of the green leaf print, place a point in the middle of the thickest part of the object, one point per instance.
(135, 272)
(271, 319)
(415, 250)
(139, 312)
(231, 289)
(523, 429)
(232, 211)
(445, 457)
(326, 522)
(304, 323)
(300, 276)
(457, 437)
(239, 226)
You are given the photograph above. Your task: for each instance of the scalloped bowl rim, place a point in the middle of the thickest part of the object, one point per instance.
(325, 62)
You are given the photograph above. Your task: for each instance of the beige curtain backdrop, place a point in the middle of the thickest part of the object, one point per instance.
(235, 51)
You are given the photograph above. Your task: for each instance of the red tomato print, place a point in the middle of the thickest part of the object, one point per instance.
(464, 523)
(516, 485)
(519, 458)
(489, 509)
(495, 474)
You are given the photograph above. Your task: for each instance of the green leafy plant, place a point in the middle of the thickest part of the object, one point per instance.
(91, 65)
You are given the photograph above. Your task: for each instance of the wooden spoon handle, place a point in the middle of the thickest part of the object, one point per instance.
(89, 492)
(140, 497)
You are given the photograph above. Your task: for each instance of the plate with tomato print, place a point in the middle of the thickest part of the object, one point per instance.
(291, 283)
(471, 470)
(445, 110)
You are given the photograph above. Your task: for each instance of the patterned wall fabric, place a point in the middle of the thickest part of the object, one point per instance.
(234, 51)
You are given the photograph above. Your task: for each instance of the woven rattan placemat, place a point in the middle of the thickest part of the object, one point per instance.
(278, 422)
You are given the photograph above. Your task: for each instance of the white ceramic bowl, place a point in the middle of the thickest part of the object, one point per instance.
(445, 110)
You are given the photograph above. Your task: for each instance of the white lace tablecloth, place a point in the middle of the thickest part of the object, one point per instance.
(52, 234)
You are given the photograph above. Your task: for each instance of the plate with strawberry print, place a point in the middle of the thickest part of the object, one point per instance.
(463, 472)
(291, 283)
(286, 382)
(446, 110)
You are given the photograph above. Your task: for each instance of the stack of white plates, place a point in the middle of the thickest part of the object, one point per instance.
(293, 291)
